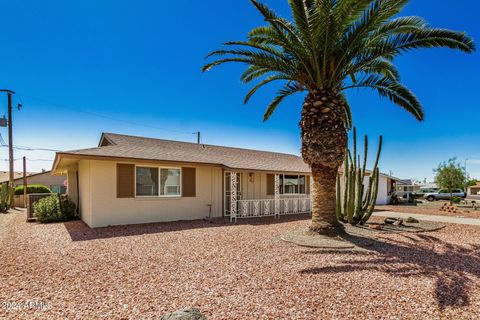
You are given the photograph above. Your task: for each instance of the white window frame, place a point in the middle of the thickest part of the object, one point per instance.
(159, 185)
(298, 177)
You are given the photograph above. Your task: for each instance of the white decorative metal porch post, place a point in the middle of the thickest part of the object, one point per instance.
(233, 196)
(277, 197)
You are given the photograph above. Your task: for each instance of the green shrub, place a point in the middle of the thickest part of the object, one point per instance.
(54, 208)
(68, 207)
(32, 188)
(456, 199)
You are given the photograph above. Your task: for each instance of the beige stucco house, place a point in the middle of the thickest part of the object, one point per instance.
(130, 180)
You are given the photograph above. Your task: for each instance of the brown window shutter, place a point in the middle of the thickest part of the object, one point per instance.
(270, 184)
(307, 184)
(125, 180)
(188, 182)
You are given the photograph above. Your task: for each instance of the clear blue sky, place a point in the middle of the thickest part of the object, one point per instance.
(78, 64)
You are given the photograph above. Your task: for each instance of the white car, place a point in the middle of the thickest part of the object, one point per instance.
(443, 194)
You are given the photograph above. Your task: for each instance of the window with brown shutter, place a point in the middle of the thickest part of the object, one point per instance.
(188, 182)
(125, 180)
(307, 184)
(270, 184)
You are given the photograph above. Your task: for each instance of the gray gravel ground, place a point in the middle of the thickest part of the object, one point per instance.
(5, 220)
(243, 271)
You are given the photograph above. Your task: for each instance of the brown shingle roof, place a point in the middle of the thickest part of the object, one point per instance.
(131, 147)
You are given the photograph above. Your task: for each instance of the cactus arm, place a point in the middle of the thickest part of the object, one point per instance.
(359, 194)
(380, 143)
(368, 195)
(371, 207)
(374, 193)
(350, 177)
(345, 185)
(364, 169)
(354, 156)
(351, 191)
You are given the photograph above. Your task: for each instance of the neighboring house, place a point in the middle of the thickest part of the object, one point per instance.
(4, 175)
(386, 187)
(474, 190)
(130, 180)
(406, 186)
(55, 183)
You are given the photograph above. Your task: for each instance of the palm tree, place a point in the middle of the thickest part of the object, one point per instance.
(329, 47)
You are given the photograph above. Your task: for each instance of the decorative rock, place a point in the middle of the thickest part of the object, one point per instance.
(399, 222)
(394, 221)
(185, 314)
(376, 226)
(412, 220)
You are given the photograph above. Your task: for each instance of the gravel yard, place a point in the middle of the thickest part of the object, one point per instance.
(241, 271)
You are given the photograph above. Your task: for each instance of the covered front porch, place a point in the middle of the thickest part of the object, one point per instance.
(260, 194)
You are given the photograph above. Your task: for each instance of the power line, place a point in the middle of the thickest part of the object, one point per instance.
(3, 144)
(49, 160)
(112, 118)
(31, 148)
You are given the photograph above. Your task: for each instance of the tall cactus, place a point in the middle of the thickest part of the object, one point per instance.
(355, 205)
(4, 197)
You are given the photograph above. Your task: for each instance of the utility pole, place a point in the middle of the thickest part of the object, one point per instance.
(10, 145)
(10, 149)
(25, 181)
(198, 137)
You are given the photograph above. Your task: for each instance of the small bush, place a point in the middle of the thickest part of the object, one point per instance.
(32, 188)
(68, 207)
(54, 208)
(456, 199)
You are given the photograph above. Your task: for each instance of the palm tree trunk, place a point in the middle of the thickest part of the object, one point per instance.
(324, 140)
(324, 219)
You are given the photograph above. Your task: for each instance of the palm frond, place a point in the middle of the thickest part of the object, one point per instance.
(261, 84)
(329, 41)
(394, 91)
(378, 66)
(288, 90)
(253, 72)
